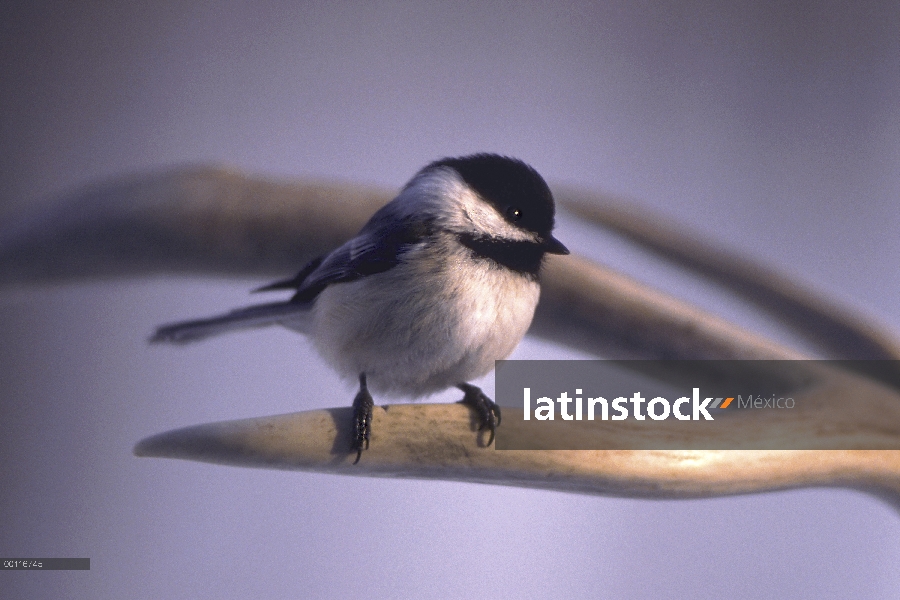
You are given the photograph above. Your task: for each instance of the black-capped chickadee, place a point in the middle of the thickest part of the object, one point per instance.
(441, 282)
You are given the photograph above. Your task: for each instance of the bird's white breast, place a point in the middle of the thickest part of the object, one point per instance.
(427, 324)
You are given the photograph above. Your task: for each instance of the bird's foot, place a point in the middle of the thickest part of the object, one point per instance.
(362, 418)
(487, 410)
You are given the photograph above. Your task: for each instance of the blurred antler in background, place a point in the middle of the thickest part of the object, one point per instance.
(211, 220)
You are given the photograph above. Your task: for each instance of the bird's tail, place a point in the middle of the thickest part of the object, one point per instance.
(291, 314)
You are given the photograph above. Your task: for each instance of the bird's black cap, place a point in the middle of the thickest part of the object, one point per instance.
(518, 192)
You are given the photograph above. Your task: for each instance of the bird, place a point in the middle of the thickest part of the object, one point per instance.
(439, 283)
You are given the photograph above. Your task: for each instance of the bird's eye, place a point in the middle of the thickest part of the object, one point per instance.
(513, 213)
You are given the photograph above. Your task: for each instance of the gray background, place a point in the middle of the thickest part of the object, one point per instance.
(771, 128)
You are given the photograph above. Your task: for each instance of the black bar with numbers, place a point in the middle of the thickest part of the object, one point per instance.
(45, 564)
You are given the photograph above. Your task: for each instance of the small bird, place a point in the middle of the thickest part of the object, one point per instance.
(441, 282)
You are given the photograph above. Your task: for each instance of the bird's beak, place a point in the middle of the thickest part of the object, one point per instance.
(552, 245)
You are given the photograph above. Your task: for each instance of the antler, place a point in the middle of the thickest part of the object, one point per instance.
(211, 220)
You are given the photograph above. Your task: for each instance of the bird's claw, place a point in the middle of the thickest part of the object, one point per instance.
(487, 410)
(362, 419)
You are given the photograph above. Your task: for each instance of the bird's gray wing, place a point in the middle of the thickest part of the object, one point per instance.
(378, 247)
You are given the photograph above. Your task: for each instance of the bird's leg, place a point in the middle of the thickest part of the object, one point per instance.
(487, 410)
(362, 418)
